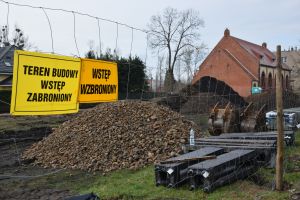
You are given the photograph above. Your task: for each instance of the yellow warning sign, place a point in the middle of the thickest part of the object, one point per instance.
(98, 82)
(44, 84)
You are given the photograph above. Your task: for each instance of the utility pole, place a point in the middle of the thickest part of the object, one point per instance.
(280, 135)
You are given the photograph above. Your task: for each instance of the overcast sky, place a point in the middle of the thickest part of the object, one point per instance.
(272, 21)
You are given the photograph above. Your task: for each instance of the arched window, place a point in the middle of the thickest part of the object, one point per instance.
(287, 85)
(263, 80)
(270, 81)
(282, 81)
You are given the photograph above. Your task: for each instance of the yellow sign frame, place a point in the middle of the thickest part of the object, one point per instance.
(37, 71)
(98, 81)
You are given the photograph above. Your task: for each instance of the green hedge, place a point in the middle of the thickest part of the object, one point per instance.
(4, 99)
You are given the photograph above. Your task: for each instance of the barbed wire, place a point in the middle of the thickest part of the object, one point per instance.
(99, 35)
(76, 12)
(75, 40)
(129, 66)
(50, 27)
(7, 23)
(146, 57)
(211, 87)
(117, 38)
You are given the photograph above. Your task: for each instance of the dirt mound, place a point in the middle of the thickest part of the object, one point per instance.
(125, 134)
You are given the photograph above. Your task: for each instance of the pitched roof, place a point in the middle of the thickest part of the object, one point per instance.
(293, 58)
(6, 82)
(241, 65)
(265, 56)
(4, 51)
(6, 64)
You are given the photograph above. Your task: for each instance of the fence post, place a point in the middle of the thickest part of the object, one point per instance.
(280, 135)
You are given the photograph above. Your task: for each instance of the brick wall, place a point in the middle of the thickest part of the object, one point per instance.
(231, 63)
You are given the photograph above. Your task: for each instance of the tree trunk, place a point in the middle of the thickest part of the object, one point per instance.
(169, 84)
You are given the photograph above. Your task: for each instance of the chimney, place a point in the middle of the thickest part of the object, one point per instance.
(264, 45)
(226, 32)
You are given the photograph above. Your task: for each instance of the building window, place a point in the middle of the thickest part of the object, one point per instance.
(263, 80)
(282, 82)
(287, 82)
(283, 59)
(270, 81)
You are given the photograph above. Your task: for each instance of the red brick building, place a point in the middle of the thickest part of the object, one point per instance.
(241, 65)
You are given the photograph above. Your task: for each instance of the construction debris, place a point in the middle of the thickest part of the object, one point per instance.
(111, 136)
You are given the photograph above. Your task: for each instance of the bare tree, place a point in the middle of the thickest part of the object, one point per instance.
(191, 59)
(178, 70)
(19, 39)
(187, 60)
(173, 31)
(160, 71)
(4, 37)
(199, 54)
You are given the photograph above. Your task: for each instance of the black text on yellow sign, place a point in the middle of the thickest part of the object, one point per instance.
(44, 84)
(98, 82)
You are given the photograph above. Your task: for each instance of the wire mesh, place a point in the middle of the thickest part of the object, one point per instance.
(195, 102)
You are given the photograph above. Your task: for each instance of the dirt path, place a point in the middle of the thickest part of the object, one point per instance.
(17, 134)
(30, 194)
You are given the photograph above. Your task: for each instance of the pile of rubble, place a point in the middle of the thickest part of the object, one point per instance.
(111, 136)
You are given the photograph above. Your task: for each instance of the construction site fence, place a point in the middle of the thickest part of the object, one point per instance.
(190, 103)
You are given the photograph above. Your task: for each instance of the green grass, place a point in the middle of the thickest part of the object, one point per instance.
(200, 119)
(140, 184)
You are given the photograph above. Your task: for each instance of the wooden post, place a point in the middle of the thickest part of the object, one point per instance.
(280, 135)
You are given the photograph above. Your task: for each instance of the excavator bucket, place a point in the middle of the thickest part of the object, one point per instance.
(253, 120)
(222, 120)
(229, 119)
